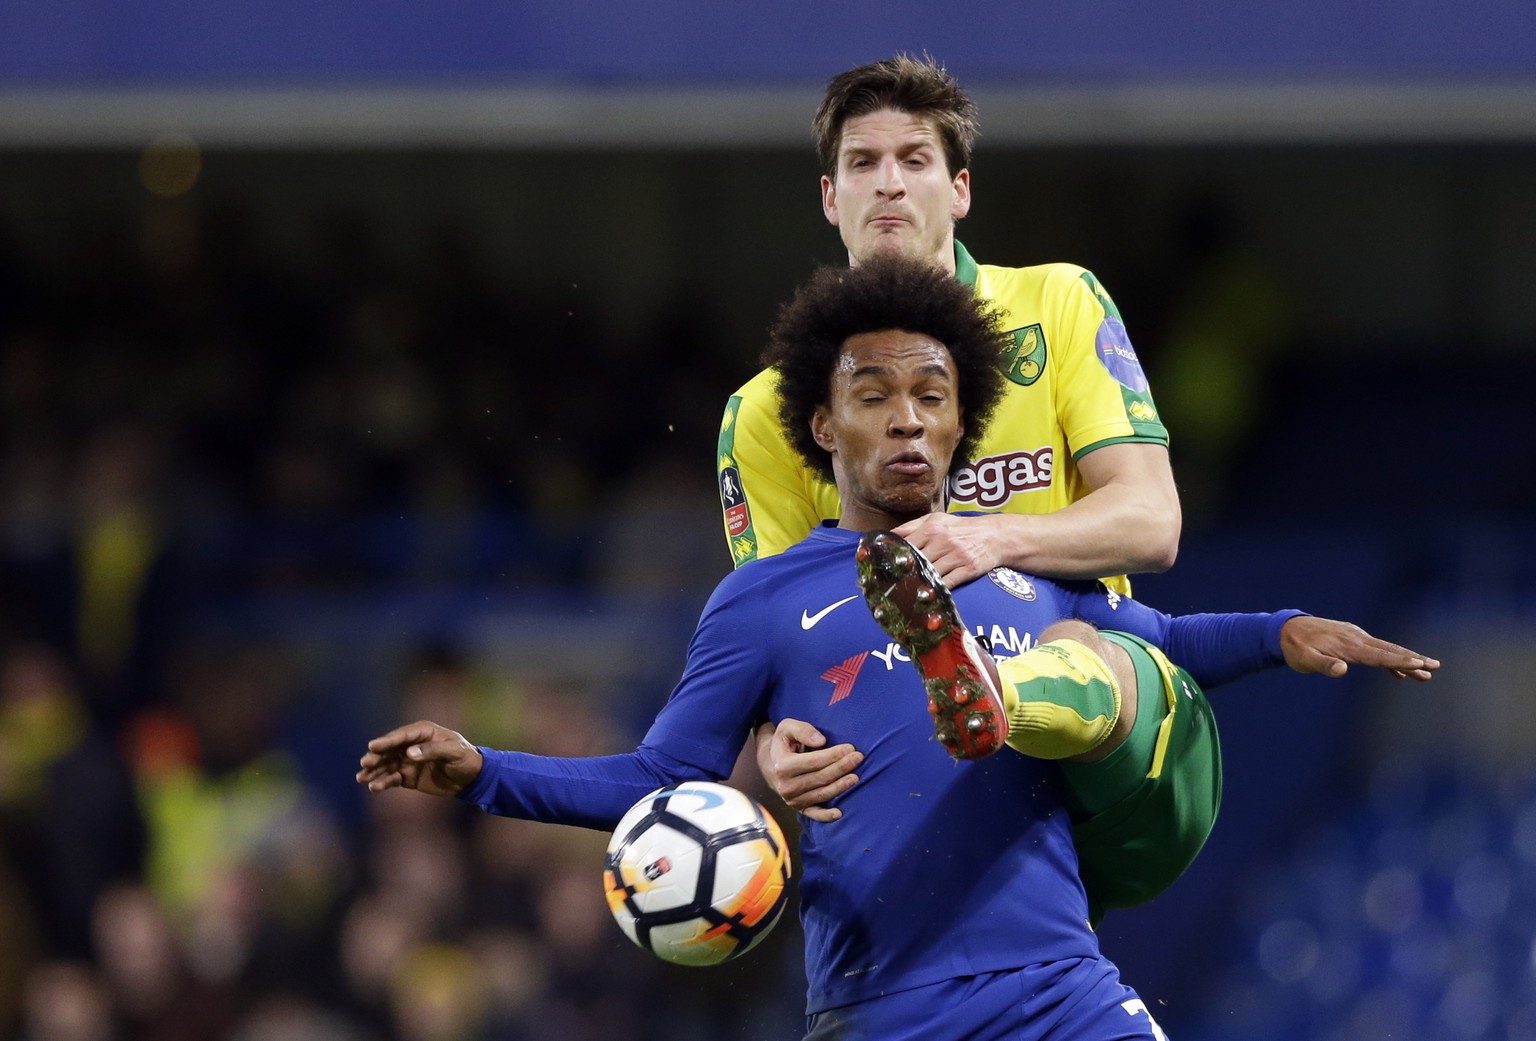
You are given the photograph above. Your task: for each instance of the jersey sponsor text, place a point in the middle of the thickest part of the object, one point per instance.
(1003, 642)
(992, 480)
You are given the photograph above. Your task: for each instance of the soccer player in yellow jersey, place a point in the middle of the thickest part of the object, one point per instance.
(1074, 471)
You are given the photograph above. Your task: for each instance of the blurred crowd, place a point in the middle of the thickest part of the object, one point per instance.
(188, 427)
(180, 879)
(1410, 915)
(258, 504)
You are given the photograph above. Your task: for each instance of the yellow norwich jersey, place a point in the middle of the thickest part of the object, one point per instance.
(1074, 385)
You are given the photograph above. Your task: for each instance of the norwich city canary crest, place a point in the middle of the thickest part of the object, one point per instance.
(1025, 361)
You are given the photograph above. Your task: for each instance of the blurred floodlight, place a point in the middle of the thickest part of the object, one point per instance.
(1288, 951)
(1393, 899)
(169, 166)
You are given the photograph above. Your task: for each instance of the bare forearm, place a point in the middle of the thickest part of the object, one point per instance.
(1116, 530)
(1109, 532)
(1128, 524)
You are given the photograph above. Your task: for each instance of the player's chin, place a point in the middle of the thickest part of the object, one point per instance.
(915, 498)
(888, 242)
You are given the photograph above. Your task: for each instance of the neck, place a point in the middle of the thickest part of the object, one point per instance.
(874, 518)
(946, 257)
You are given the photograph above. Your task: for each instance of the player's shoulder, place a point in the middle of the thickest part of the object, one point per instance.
(1059, 295)
(761, 389)
(758, 573)
(1055, 269)
(764, 580)
(746, 588)
(1003, 284)
(807, 555)
(752, 416)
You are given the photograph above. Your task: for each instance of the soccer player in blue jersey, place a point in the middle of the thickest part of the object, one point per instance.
(947, 903)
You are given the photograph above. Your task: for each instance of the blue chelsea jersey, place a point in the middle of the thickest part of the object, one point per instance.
(937, 869)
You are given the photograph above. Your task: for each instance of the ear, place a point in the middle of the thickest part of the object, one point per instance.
(962, 189)
(829, 200)
(821, 429)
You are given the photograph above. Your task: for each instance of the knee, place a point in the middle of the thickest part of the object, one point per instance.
(1070, 629)
(1113, 655)
(1085, 634)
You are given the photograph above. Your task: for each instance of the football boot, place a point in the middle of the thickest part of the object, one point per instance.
(912, 604)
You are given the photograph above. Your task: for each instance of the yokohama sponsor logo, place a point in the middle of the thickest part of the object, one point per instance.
(842, 676)
(992, 481)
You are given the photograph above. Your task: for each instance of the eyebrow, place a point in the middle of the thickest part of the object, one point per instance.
(932, 369)
(856, 151)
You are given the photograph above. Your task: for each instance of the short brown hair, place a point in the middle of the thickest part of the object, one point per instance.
(890, 291)
(917, 86)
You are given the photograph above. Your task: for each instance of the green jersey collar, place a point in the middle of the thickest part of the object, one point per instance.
(965, 267)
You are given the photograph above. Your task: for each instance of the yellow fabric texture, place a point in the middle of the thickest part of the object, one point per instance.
(1061, 699)
(1060, 399)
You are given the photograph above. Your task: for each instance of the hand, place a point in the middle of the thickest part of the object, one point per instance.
(959, 548)
(806, 775)
(1323, 645)
(420, 755)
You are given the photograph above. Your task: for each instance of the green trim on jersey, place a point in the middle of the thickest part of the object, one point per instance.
(1103, 296)
(738, 518)
(1140, 411)
(1142, 415)
(1115, 441)
(965, 266)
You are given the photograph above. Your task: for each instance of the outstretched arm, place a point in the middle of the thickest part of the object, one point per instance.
(696, 735)
(807, 775)
(587, 792)
(1219, 648)
(1330, 647)
(423, 756)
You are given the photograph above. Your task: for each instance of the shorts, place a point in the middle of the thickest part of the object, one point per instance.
(1077, 1000)
(1136, 847)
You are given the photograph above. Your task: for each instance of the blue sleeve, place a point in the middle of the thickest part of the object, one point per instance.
(724, 690)
(697, 735)
(588, 793)
(1218, 648)
(1213, 648)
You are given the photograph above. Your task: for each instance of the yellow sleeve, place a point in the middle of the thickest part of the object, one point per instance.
(1099, 402)
(1103, 396)
(769, 498)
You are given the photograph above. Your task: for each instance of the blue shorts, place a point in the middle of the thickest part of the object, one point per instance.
(1078, 1000)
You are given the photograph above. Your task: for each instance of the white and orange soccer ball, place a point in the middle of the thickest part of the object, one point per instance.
(697, 873)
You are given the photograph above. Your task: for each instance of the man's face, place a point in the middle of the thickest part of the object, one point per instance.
(893, 189)
(891, 423)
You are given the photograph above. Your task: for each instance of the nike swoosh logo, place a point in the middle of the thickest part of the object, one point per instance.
(808, 621)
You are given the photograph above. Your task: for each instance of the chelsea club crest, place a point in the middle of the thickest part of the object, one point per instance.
(1013, 582)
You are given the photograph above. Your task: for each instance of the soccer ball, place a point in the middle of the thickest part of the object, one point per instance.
(697, 873)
